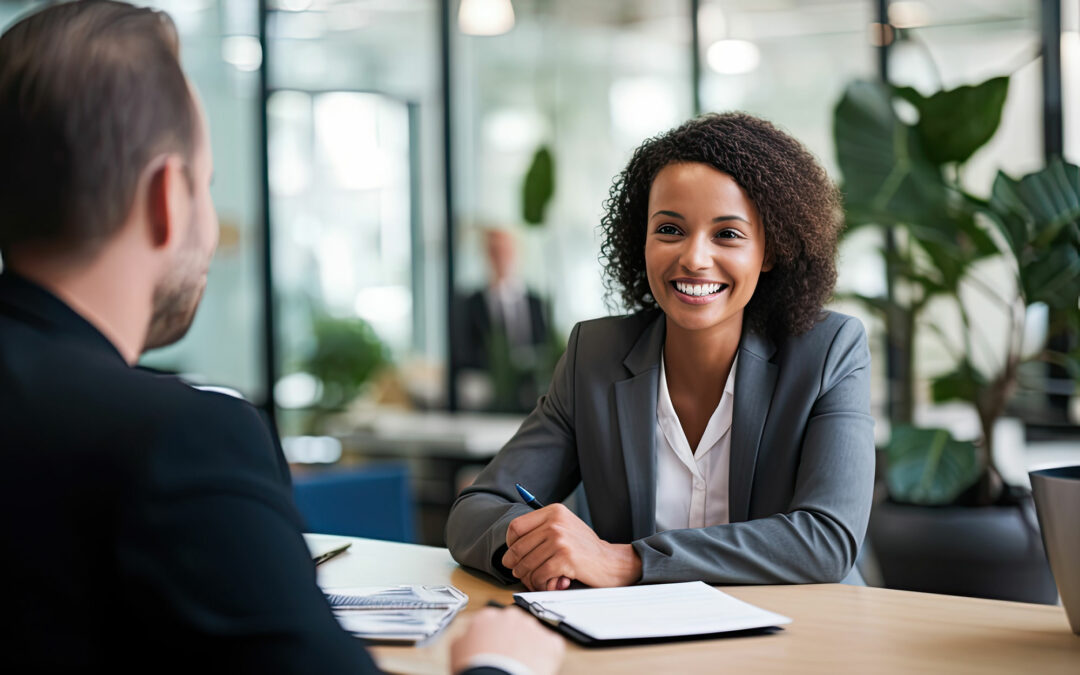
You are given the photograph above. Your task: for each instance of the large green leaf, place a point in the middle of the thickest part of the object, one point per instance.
(887, 177)
(962, 384)
(953, 251)
(1039, 217)
(937, 257)
(1039, 207)
(929, 466)
(539, 186)
(1053, 277)
(954, 123)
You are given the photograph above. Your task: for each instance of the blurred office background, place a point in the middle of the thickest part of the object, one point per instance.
(369, 152)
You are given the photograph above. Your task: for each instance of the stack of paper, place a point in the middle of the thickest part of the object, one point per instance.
(405, 614)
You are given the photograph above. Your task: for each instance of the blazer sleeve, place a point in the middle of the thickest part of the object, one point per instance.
(818, 538)
(213, 557)
(542, 456)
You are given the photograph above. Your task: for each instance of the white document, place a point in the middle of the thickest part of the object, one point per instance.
(641, 612)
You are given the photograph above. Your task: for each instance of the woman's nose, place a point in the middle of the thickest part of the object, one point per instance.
(695, 253)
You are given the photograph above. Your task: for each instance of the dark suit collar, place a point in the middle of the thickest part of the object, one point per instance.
(645, 353)
(26, 301)
(635, 404)
(755, 381)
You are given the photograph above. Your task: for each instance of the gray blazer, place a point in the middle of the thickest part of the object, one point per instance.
(802, 457)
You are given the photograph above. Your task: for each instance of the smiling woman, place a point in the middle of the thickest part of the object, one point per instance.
(722, 431)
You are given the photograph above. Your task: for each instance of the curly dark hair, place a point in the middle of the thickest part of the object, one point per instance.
(798, 204)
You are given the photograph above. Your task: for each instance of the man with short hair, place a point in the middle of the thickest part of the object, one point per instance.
(146, 524)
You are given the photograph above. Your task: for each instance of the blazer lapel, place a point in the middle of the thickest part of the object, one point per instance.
(635, 401)
(754, 383)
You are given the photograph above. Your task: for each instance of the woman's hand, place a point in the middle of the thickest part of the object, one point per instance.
(552, 542)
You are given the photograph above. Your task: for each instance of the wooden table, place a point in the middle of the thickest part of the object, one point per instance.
(836, 628)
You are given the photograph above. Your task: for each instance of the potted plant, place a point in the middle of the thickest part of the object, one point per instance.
(345, 357)
(950, 524)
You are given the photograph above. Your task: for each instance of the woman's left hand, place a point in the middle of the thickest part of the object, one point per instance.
(553, 542)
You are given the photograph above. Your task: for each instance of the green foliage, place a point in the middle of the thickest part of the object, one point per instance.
(347, 353)
(538, 187)
(962, 384)
(906, 177)
(953, 124)
(1039, 218)
(930, 467)
(887, 176)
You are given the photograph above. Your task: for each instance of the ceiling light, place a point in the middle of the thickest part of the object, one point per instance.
(485, 17)
(733, 57)
(295, 5)
(242, 51)
(904, 14)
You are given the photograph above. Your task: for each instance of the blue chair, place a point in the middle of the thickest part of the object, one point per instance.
(372, 502)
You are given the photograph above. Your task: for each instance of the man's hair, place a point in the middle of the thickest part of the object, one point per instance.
(90, 93)
(798, 204)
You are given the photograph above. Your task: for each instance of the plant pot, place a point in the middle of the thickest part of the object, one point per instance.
(1057, 496)
(984, 552)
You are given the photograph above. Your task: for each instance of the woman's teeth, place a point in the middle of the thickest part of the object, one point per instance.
(698, 289)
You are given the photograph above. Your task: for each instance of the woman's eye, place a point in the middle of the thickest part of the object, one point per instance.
(728, 234)
(667, 229)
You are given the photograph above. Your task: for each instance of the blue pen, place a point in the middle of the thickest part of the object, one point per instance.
(531, 501)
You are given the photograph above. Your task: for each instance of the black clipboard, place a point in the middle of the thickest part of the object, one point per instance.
(555, 622)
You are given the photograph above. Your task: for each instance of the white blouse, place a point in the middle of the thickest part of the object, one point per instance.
(692, 487)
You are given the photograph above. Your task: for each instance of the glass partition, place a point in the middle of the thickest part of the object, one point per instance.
(341, 197)
(355, 145)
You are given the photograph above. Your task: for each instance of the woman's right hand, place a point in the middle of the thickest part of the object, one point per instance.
(551, 544)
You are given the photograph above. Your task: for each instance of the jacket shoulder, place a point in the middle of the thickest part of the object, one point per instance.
(163, 420)
(833, 348)
(613, 331)
(832, 329)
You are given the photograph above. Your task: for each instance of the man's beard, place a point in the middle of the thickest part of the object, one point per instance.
(175, 300)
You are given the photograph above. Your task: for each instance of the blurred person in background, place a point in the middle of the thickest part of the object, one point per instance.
(722, 431)
(503, 334)
(147, 525)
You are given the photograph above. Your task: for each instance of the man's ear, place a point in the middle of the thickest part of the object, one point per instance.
(169, 200)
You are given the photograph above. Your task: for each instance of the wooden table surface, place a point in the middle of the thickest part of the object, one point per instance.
(835, 628)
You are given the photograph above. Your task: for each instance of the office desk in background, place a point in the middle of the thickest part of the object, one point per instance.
(836, 628)
(409, 433)
(444, 452)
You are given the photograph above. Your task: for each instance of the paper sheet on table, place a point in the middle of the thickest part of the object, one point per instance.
(641, 612)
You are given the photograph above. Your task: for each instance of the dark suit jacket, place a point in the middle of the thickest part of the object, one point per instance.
(147, 526)
(802, 457)
(516, 385)
(476, 329)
